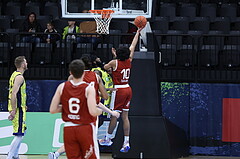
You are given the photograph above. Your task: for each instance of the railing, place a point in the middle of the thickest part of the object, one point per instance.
(179, 58)
(50, 60)
(197, 58)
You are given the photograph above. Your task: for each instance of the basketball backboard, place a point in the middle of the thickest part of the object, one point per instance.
(124, 9)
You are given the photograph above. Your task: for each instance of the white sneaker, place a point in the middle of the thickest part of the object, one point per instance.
(52, 155)
(105, 142)
(125, 148)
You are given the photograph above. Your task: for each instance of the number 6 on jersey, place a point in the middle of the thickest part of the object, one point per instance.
(74, 106)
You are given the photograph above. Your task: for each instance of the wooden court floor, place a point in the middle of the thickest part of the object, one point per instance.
(108, 156)
(103, 156)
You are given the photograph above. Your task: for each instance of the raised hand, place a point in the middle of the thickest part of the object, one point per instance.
(114, 52)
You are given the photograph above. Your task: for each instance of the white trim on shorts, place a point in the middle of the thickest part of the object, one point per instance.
(122, 86)
(96, 125)
(69, 123)
(113, 97)
(112, 102)
(96, 148)
(119, 111)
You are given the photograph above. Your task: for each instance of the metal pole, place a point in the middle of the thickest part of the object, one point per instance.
(120, 5)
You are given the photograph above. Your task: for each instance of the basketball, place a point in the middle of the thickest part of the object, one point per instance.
(140, 21)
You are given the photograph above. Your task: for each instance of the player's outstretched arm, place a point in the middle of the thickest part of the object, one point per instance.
(55, 106)
(114, 53)
(91, 101)
(134, 43)
(111, 64)
(107, 110)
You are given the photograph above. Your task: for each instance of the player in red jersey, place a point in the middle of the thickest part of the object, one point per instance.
(92, 77)
(89, 77)
(79, 112)
(121, 67)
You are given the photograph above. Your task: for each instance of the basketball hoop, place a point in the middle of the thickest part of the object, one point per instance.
(102, 18)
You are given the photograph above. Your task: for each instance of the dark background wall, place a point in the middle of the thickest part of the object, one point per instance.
(194, 107)
(39, 94)
(197, 108)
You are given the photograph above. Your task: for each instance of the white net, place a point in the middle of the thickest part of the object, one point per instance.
(103, 21)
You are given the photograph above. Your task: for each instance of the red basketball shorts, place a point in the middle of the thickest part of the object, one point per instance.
(81, 142)
(122, 99)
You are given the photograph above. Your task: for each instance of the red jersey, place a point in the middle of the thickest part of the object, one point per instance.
(89, 77)
(74, 104)
(121, 73)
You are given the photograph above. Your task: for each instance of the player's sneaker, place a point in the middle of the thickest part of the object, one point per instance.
(52, 155)
(15, 157)
(105, 142)
(125, 148)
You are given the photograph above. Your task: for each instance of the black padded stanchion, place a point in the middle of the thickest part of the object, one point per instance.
(152, 137)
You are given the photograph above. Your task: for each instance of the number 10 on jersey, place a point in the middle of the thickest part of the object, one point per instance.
(126, 73)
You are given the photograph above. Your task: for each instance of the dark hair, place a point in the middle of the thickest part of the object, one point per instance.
(76, 67)
(19, 60)
(33, 14)
(51, 23)
(87, 61)
(95, 62)
(93, 57)
(123, 53)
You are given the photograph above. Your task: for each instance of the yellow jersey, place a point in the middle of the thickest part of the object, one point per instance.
(21, 95)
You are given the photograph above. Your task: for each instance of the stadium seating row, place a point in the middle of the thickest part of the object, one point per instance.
(203, 24)
(13, 8)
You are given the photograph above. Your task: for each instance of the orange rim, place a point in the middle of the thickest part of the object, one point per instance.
(102, 11)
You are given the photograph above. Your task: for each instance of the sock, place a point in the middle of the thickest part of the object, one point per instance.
(126, 139)
(13, 152)
(17, 149)
(109, 136)
(57, 154)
